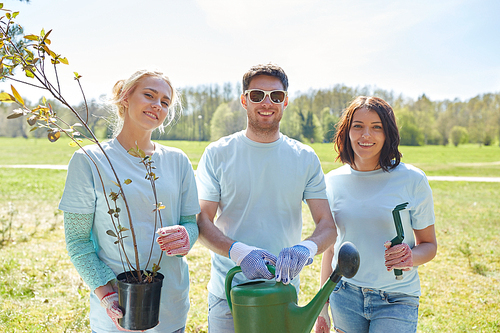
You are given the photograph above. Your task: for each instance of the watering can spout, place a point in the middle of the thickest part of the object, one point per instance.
(302, 319)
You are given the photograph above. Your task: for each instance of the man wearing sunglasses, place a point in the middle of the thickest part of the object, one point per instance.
(255, 182)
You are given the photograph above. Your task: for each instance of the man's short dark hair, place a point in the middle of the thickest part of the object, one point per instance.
(269, 69)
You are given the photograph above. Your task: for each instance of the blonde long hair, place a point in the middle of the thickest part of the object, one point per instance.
(123, 88)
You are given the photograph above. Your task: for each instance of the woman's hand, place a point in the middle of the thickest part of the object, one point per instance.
(110, 303)
(323, 323)
(398, 257)
(173, 240)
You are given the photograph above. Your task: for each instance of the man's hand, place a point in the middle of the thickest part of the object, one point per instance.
(291, 260)
(398, 257)
(173, 240)
(252, 260)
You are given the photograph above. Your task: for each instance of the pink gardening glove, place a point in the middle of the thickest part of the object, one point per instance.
(110, 303)
(173, 240)
(399, 256)
(323, 323)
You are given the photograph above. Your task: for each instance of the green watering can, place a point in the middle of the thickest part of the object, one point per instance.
(270, 306)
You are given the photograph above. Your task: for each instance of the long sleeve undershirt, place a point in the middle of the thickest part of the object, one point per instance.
(94, 271)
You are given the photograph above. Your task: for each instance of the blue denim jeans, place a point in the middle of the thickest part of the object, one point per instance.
(220, 319)
(356, 309)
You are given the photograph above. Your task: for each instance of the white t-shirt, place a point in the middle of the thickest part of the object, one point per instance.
(362, 205)
(176, 189)
(260, 188)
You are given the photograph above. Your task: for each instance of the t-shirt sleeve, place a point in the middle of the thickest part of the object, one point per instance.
(190, 204)
(422, 215)
(79, 194)
(315, 187)
(206, 179)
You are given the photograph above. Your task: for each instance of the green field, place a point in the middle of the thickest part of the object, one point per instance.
(464, 160)
(41, 292)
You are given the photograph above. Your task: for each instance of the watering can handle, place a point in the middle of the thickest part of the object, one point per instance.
(229, 281)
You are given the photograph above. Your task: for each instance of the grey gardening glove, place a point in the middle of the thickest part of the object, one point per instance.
(291, 260)
(252, 260)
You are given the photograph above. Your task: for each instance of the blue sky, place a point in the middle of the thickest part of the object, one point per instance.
(446, 49)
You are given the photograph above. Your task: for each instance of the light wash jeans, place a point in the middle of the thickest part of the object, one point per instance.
(359, 310)
(220, 319)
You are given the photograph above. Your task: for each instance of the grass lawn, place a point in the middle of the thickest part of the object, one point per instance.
(40, 290)
(464, 160)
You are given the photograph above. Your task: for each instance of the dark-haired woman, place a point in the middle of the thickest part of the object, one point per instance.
(362, 195)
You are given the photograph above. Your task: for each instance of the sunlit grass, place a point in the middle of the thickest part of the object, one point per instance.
(40, 291)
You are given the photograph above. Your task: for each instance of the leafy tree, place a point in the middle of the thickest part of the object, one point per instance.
(328, 123)
(228, 119)
(290, 123)
(410, 133)
(311, 127)
(459, 135)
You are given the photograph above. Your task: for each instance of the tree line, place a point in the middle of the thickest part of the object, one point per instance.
(212, 111)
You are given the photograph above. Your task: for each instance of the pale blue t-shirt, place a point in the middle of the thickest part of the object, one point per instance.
(362, 204)
(176, 190)
(260, 188)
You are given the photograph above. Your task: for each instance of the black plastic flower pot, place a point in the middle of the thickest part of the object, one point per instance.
(140, 302)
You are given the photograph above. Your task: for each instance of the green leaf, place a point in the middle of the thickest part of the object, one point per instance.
(18, 97)
(111, 233)
(31, 37)
(29, 73)
(47, 34)
(134, 151)
(16, 114)
(64, 60)
(32, 120)
(54, 135)
(7, 98)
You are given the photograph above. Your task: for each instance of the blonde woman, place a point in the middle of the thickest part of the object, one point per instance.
(144, 102)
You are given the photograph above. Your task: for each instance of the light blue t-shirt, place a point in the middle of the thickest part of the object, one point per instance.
(260, 188)
(176, 190)
(362, 205)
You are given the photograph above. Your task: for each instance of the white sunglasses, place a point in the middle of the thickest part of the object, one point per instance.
(258, 95)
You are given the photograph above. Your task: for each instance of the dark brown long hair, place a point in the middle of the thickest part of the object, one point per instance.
(390, 156)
